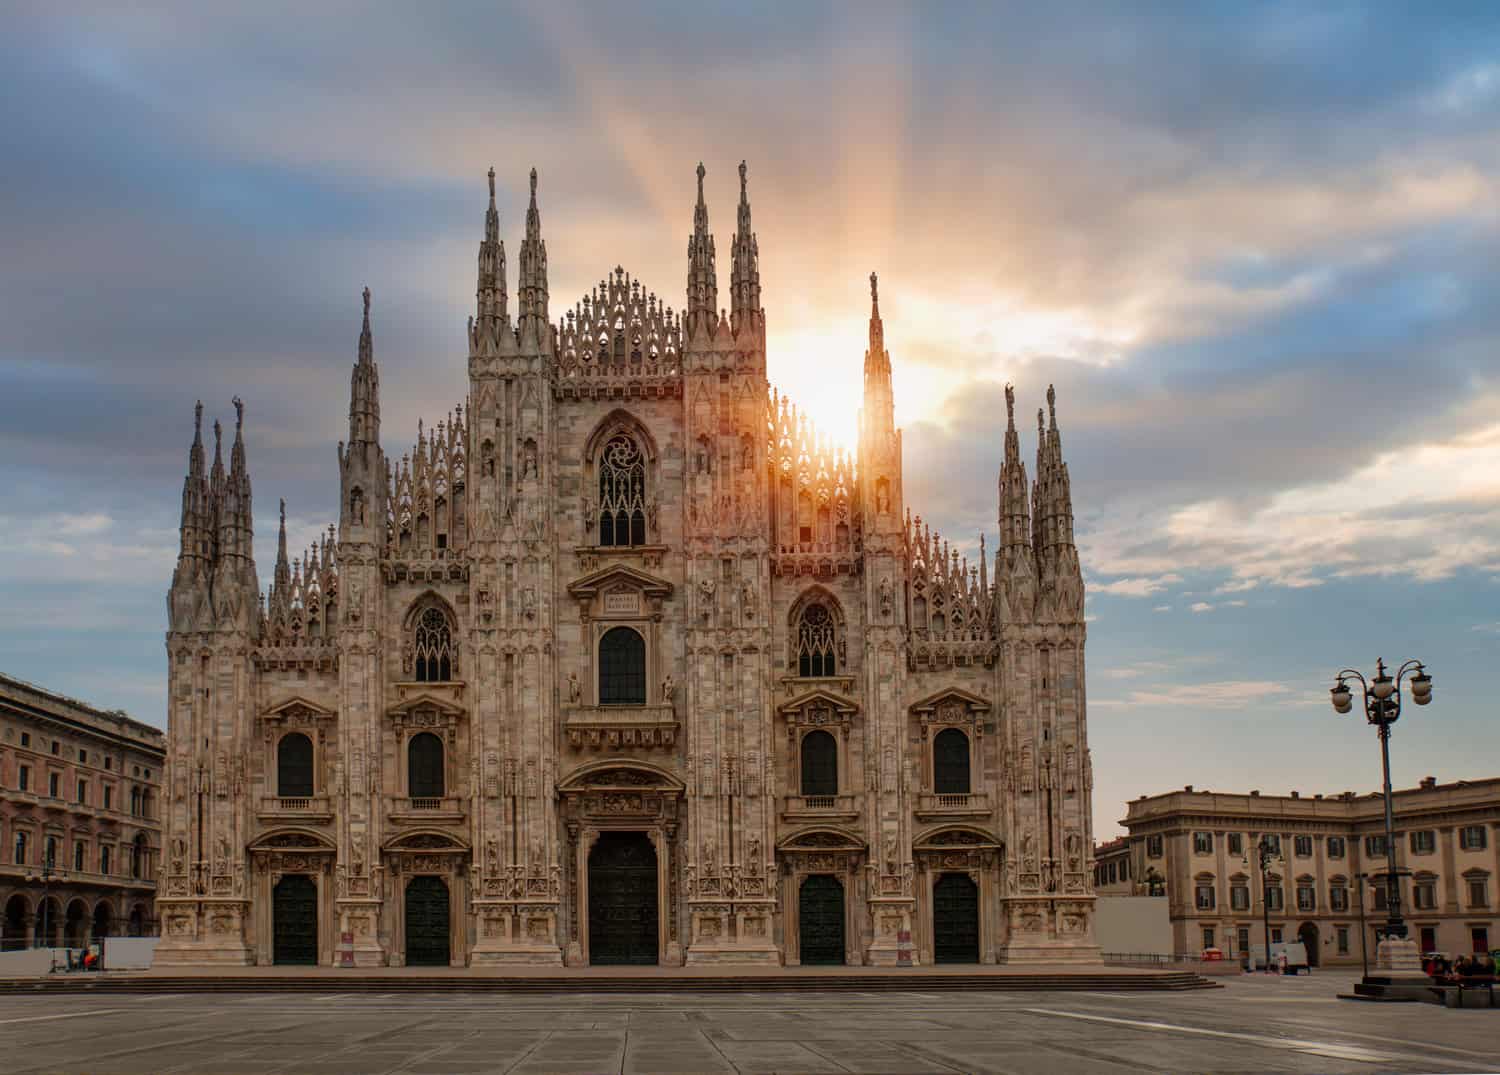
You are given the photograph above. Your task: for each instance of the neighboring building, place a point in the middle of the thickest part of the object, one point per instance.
(1112, 868)
(1203, 845)
(622, 664)
(79, 820)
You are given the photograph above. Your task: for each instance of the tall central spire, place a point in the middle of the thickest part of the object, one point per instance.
(702, 281)
(532, 282)
(744, 274)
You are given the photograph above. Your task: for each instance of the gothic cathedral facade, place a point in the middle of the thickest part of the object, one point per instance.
(622, 664)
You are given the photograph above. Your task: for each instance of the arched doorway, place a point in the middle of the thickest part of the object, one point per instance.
(294, 927)
(820, 920)
(1307, 933)
(48, 923)
(104, 920)
(955, 919)
(622, 900)
(13, 937)
(427, 922)
(75, 926)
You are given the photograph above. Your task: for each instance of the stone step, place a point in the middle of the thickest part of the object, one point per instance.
(460, 982)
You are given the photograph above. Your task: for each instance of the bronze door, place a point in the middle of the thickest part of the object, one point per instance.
(622, 899)
(820, 919)
(427, 923)
(294, 911)
(955, 919)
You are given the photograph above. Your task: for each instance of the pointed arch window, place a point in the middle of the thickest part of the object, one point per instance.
(424, 766)
(622, 493)
(817, 642)
(820, 764)
(950, 763)
(294, 767)
(432, 646)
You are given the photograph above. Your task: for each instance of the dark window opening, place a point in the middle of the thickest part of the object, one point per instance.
(622, 667)
(424, 772)
(294, 767)
(950, 763)
(820, 764)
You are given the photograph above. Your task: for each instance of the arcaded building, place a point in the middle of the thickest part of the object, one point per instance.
(620, 663)
(80, 829)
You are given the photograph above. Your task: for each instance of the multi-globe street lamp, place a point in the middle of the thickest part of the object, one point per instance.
(1381, 699)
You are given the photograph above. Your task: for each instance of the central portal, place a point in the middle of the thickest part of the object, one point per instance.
(622, 899)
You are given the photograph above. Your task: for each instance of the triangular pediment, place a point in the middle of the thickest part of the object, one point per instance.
(300, 708)
(951, 696)
(820, 697)
(426, 701)
(620, 576)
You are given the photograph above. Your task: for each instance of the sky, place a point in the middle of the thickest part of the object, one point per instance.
(1255, 247)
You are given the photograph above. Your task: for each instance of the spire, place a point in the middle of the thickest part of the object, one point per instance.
(195, 542)
(877, 360)
(1057, 556)
(237, 528)
(744, 276)
(1015, 513)
(532, 279)
(364, 387)
(491, 300)
(283, 574)
(702, 281)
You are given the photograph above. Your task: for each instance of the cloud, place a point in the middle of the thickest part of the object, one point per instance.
(1162, 608)
(1135, 587)
(1202, 606)
(1226, 695)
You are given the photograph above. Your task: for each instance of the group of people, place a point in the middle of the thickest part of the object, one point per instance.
(87, 959)
(1476, 966)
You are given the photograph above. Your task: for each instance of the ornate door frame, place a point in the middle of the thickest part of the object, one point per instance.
(292, 851)
(621, 796)
(821, 850)
(430, 853)
(959, 849)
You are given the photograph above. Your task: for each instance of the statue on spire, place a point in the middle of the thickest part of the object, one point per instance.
(492, 184)
(1052, 403)
(1010, 404)
(874, 293)
(239, 414)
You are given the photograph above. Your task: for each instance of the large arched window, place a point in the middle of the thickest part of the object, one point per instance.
(622, 667)
(817, 642)
(424, 766)
(294, 767)
(138, 856)
(820, 764)
(622, 492)
(432, 646)
(950, 762)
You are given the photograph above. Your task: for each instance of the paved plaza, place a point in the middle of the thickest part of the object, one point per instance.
(1252, 1025)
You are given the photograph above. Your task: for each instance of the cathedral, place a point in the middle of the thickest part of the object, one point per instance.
(621, 663)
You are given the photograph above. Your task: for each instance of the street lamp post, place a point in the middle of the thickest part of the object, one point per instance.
(1381, 698)
(1267, 853)
(46, 878)
(1364, 956)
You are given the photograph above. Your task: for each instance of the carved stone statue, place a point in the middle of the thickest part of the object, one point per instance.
(885, 598)
(668, 689)
(575, 689)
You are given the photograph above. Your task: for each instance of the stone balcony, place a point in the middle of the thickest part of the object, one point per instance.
(284, 808)
(609, 727)
(968, 804)
(819, 808)
(425, 809)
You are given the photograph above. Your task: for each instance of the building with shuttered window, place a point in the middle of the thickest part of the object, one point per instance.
(622, 663)
(1202, 845)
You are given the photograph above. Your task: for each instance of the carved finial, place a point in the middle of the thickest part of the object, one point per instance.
(218, 438)
(365, 294)
(742, 180)
(1040, 420)
(239, 414)
(283, 513)
(492, 184)
(533, 184)
(702, 171)
(1052, 403)
(198, 420)
(1010, 405)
